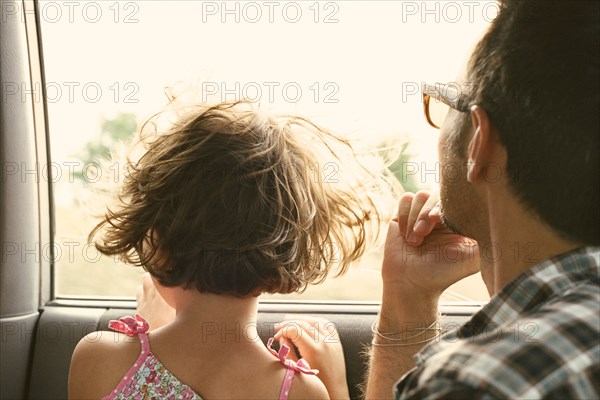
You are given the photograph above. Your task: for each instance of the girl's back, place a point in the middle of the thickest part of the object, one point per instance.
(182, 364)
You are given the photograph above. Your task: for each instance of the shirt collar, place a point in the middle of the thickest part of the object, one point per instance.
(531, 289)
(534, 287)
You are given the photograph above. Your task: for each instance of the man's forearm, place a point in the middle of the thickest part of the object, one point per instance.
(389, 362)
(387, 365)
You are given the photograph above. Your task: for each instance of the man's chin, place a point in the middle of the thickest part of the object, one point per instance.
(450, 226)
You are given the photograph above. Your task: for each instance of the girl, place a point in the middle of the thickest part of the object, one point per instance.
(224, 205)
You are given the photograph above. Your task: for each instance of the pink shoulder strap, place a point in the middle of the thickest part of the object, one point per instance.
(131, 326)
(292, 367)
(287, 384)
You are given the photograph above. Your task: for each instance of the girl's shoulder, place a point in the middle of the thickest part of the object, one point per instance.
(99, 362)
(307, 387)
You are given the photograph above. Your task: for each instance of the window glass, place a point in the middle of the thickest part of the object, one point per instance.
(355, 67)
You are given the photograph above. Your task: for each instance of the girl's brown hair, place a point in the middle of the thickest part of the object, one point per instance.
(230, 201)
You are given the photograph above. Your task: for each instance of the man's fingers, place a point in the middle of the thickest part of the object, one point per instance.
(431, 203)
(425, 223)
(418, 202)
(436, 213)
(394, 230)
(403, 211)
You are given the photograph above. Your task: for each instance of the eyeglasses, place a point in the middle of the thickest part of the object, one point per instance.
(437, 100)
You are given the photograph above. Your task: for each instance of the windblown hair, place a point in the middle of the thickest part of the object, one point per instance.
(230, 201)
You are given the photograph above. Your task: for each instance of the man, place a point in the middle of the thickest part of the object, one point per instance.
(525, 144)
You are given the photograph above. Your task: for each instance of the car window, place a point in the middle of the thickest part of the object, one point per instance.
(355, 67)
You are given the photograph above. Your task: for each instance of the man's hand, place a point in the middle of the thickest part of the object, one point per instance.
(319, 344)
(421, 259)
(421, 256)
(151, 305)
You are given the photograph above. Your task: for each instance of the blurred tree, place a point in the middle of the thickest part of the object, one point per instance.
(398, 161)
(112, 131)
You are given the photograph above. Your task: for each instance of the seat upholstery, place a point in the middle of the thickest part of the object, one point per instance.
(60, 329)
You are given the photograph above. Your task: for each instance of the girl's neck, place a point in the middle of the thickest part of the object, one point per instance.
(219, 318)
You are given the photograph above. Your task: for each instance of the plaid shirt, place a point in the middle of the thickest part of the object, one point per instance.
(539, 337)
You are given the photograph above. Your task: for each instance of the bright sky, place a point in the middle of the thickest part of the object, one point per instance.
(370, 57)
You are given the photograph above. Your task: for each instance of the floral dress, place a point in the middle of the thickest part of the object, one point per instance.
(149, 379)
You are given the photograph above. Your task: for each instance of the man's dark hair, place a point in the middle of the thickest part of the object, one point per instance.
(536, 72)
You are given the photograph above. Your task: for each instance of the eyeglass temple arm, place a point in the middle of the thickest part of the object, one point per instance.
(458, 102)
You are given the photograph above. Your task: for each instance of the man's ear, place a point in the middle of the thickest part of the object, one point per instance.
(480, 146)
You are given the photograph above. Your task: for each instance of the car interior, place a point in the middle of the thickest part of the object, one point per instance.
(41, 319)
